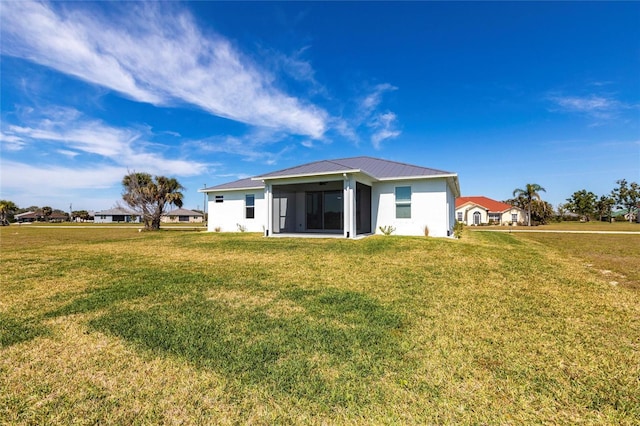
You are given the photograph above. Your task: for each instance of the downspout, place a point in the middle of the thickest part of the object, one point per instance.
(346, 206)
(269, 201)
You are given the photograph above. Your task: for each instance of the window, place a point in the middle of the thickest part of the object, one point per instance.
(219, 198)
(494, 217)
(514, 217)
(183, 218)
(459, 216)
(250, 206)
(403, 202)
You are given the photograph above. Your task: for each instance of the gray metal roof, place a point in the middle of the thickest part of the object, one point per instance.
(116, 211)
(375, 167)
(238, 184)
(183, 212)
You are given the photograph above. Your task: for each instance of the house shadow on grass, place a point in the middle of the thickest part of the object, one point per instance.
(15, 330)
(329, 352)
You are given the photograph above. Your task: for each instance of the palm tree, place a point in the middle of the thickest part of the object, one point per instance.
(46, 212)
(530, 193)
(6, 207)
(149, 196)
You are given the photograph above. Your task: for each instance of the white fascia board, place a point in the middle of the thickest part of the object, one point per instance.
(249, 188)
(305, 175)
(453, 175)
(456, 182)
(467, 203)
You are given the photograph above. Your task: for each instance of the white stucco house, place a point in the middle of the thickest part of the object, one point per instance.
(116, 215)
(348, 197)
(182, 216)
(480, 210)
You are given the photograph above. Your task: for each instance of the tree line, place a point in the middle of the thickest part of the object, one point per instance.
(8, 209)
(585, 204)
(148, 197)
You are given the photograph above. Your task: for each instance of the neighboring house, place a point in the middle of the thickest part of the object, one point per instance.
(569, 216)
(485, 211)
(624, 213)
(348, 197)
(182, 216)
(116, 215)
(28, 217)
(38, 216)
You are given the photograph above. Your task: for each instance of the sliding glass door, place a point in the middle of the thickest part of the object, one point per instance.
(325, 210)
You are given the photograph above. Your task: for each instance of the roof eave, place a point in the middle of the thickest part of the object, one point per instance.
(207, 190)
(448, 175)
(302, 175)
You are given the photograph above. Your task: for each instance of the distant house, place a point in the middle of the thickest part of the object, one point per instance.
(38, 216)
(116, 215)
(624, 213)
(182, 216)
(485, 211)
(345, 197)
(28, 217)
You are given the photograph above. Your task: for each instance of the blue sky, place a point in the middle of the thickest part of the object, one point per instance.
(503, 94)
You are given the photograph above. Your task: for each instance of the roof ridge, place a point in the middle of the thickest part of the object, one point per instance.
(340, 159)
(406, 164)
(388, 161)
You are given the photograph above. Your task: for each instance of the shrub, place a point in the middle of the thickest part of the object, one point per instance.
(387, 230)
(457, 229)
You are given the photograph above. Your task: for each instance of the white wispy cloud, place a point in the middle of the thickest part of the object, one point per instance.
(11, 142)
(156, 53)
(253, 146)
(367, 120)
(384, 126)
(66, 152)
(373, 99)
(60, 155)
(57, 179)
(68, 132)
(596, 106)
(586, 104)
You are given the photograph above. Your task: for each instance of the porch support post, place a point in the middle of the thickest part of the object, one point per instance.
(268, 199)
(349, 194)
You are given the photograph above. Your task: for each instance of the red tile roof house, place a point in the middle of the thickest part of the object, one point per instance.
(347, 197)
(485, 211)
(38, 216)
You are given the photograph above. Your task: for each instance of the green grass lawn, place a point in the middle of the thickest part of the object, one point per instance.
(570, 226)
(115, 326)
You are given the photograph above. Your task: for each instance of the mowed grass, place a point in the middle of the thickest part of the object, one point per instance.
(568, 226)
(114, 326)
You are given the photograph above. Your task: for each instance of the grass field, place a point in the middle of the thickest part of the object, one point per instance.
(569, 226)
(113, 326)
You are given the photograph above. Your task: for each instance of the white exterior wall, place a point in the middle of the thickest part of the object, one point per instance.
(230, 213)
(429, 201)
(176, 219)
(99, 219)
(470, 210)
(506, 216)
(109, 219)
